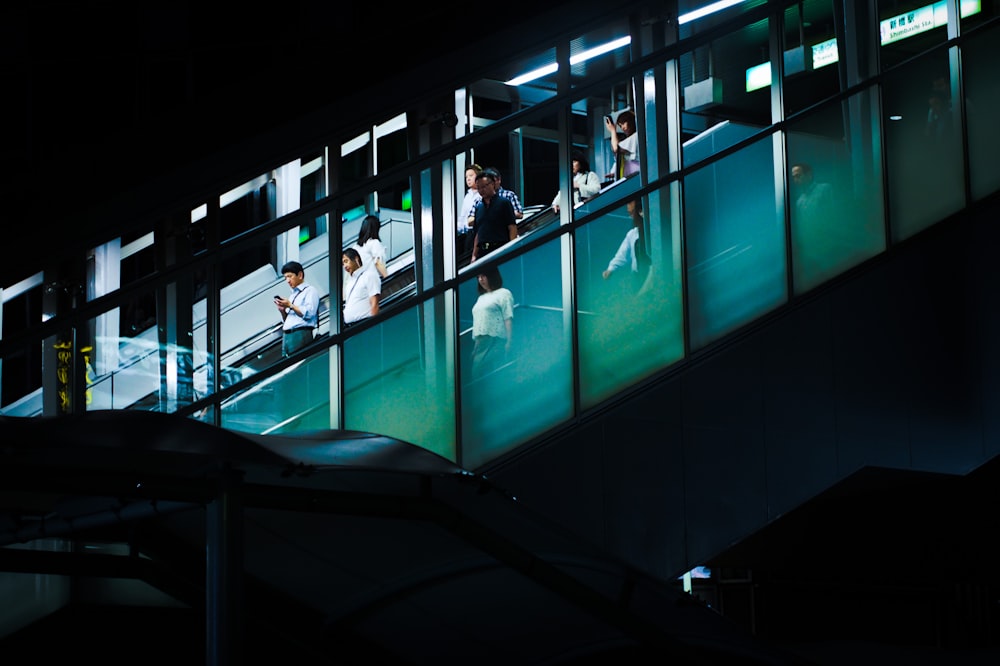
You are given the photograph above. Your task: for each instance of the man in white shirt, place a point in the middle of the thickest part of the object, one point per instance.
(362, 288)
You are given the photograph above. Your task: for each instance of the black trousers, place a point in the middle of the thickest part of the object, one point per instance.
(482, 249)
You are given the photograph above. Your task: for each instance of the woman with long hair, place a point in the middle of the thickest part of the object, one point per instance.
(369, 246)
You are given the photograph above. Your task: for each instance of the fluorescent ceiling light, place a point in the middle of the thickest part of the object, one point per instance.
(574, 60)
(600, 50)
(706, 10)
(617, 43)
(533, 74)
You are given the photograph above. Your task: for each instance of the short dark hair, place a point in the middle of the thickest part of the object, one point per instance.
(493, 277)
(628, 115)
(353, 255)
(584, 164)
(487, 175)
(492, 171)
(292, 267)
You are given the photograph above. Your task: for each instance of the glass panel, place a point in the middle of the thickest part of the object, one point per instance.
(513, 392)
(21, 367)
(138, 260)
(724, 98)
(982, 108)
(295, 400)
(510, 87)
(126, 368)
(618, 293)
(600, 52)
(835, 190)
(533, 174)
(248, 206)
(735, 243)
(393, 204)
(526, 162)
(391, 145)
(618, 155)
(379, 226)
(399, 378)
(250, 328)
(923, 145)
(813, 66)
(313, 187)
(907, 28)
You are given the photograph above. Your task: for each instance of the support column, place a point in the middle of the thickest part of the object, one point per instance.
(224, 573)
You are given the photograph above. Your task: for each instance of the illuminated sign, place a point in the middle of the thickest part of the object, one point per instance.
(891, 30)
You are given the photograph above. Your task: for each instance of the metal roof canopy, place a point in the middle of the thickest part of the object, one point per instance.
(345, 540)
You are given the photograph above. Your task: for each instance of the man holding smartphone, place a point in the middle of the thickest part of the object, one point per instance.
(299, 312)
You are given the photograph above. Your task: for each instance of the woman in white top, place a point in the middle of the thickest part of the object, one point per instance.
(370, 247)
(492, 323)
(586, 183)
(626, 149)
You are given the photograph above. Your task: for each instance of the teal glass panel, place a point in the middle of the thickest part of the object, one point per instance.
(923, 143)
(835, 190)
(982, 108)
(510, 394)
(294, 400)
(735, 239)
(399, 378)
(723, 100)
(627, 281)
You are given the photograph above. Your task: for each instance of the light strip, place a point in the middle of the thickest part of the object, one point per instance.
(706, 10)
(574, 60)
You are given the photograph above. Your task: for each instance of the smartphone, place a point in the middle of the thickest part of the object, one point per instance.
(607, 119)
(277, 298)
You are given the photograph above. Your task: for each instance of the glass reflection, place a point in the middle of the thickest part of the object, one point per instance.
(982, 108)
(813, 67)
(399, 378)
(735, 243)
(124, 358)
(294, 400)
(723, 100)
(628, 294)
(516, 382)
(923, 140)
(835, 190)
